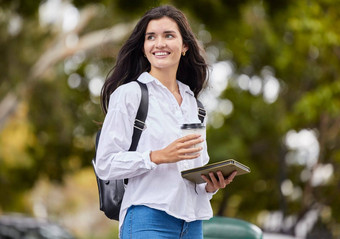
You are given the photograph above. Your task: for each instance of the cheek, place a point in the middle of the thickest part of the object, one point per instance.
(146, 50)
(179, 46)
(146, 53)
(147, 46)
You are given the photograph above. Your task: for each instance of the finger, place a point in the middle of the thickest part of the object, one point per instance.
(232, 175)
(221, 179)
(206, 179)
(190, 150)
(189, 137)
(190, 143)
(188, 156)
(213, 178)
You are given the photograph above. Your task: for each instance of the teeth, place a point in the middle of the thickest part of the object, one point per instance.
(161, 53)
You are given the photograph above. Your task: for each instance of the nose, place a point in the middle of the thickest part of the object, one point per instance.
(160, 42)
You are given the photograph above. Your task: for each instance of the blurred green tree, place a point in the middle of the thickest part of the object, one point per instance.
(284, 81)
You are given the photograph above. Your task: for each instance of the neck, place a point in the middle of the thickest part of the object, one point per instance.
(166, 77)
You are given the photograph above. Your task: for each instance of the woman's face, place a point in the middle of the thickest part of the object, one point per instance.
(163, 44)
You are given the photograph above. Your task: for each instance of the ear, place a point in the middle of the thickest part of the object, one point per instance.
(185, 47)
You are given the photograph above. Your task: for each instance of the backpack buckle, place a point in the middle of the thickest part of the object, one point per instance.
(139, 125)
(201, 112)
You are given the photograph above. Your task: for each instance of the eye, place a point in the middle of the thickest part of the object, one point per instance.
(150, 37)
(169, 36)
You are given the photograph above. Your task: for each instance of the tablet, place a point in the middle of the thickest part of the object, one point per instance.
(226, 166)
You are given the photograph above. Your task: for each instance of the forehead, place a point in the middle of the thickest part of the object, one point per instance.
(161, 25)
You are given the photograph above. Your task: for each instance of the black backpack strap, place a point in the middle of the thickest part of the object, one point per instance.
(142, 112)
(201, 111)
(139, 124)
(97, 138)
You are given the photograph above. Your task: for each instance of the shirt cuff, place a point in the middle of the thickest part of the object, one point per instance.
(147, 161)
(201, 190)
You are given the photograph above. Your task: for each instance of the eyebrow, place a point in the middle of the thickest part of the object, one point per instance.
(165, 32)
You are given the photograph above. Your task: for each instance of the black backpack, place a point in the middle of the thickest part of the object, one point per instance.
(111, 192)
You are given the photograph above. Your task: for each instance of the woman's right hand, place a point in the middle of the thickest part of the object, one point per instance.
(180, 149)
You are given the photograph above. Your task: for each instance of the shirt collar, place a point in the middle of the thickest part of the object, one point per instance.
(145, 78)
(185, 88)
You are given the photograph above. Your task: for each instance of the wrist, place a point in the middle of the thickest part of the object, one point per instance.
(154, 157)
(209, 189)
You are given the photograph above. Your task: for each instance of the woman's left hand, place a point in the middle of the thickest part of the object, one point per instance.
(214, 184)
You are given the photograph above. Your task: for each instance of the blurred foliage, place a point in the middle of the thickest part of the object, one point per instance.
(48, 133)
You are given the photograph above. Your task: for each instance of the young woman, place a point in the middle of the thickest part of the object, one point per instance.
(162, 53)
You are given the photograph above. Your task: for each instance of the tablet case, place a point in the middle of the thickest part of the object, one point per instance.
(226, 166)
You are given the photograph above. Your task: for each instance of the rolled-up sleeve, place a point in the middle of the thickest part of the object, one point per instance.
(113, 160)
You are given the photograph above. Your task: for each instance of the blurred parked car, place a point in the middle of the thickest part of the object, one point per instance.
(23, 227)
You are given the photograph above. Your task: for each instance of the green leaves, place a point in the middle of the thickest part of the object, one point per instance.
(47, 122)
(324, 100)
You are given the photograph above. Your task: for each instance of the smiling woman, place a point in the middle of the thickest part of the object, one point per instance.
(163, 54)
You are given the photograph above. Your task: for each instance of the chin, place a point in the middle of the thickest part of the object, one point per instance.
(164, 65)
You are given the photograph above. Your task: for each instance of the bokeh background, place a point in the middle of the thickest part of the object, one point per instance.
(273, 103)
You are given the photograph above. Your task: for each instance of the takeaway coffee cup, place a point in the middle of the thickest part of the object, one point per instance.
(196, 128)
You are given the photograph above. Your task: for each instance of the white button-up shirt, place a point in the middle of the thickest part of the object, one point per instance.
(156, 186)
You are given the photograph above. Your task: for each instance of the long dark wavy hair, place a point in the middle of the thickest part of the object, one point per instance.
(192, 69)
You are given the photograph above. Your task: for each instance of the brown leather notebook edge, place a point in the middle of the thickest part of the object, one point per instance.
(226, 166)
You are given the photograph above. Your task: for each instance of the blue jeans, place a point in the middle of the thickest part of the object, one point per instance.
(142, 222)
